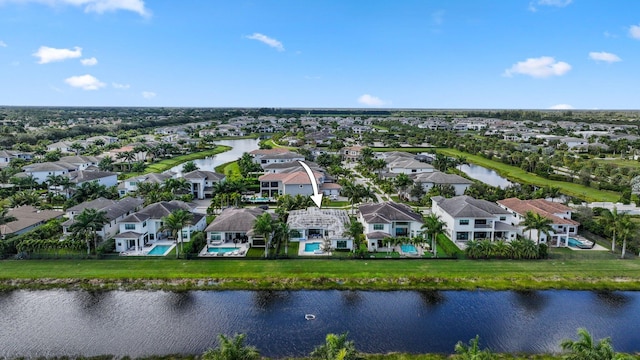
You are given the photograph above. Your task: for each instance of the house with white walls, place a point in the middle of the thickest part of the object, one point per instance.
(145, 227)
(388, 219)
(560, 215)
(467, 218)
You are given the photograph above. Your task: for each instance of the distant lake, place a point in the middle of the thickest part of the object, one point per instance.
(485, 175)
(209, 164)
(141, 323)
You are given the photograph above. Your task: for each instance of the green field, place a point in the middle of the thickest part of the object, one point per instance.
(368, 274)
(166, 164)
(518, 175)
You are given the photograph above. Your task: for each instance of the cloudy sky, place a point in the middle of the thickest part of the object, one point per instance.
(517, 54)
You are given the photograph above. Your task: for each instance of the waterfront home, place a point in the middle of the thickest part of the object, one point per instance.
(467, 219)
(402, 164)
(431, 179)
(115, 210)
(315, 225)
(294, 183)
(144, 227)
(235, 225)
(27, 218)
(563, 226)
(388, 219)
(7, 155)
(81, 162)
(272, 156)
(201, 182)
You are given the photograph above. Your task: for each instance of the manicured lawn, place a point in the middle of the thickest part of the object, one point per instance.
(620, 162)
(167, 164)
(518, 175)
(371, 274)
(231, 170)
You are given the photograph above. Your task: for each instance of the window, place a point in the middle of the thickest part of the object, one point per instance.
(274, 184)
(464, 222)
(133, 183)
(215, 236)
(462, 236)
(144, 223)
(295, 233)
(265, 184)
(129, 226)
(378, 226)
(341, 244)
(503, 218)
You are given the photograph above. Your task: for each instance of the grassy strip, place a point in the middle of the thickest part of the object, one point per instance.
(167, 164)
(231, 170)
(518, 175)
(634, 164)
(367, 274)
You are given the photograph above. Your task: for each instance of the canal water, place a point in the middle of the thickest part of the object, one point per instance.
(141, 323)
(209, 164)
(485, 175)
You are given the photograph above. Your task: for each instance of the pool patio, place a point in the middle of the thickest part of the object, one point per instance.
(223, 249)
(315, 252)
(144, 251)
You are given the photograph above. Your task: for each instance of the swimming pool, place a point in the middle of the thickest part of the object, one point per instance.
(577, 244)
(311, 247)
(159, 250)
(409, 249)
(220, 250)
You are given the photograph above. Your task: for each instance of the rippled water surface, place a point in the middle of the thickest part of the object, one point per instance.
(54, 323)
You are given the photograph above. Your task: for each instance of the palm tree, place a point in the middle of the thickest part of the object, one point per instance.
(433, 226)
(283, 234)
(175, 222)
(586, 348)
(535, 221)
(612, 220)
(106, 164)
(5, 217)
(473, 351)
(627, 228)
(232, 349)
(189, 166)
(87, 224)
(336, 347)
(264, 226)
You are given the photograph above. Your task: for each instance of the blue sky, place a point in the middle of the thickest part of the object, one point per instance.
(515, 54)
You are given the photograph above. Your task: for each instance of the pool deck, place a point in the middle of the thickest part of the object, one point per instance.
(144, 251)
(241, 251)
(419, 251)
(319, 252)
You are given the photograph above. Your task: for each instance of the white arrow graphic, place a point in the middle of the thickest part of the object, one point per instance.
(316, 197)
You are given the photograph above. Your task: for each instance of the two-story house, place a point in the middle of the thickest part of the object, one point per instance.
(146, 226)
(115, 210)
(202, 182)
(294, 183)
(320, 225)
(431, 179)
(388, 219)
(563, 226)
(131, 185)
(467, 219)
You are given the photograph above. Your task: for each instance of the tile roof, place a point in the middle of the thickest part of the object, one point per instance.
(438, 177)
(388, 212)
(543, 207)
(235, 220)
(27, 216)
(466, 206)
(81, 176)
(202, 174)
(294, 178)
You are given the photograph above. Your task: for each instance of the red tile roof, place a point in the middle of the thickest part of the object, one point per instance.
(543, 207)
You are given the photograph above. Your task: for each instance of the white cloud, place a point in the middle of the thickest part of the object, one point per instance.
(541, 67)
(49, 54)
(557, 3)
(267, 40)
(97, 6)
(89, 61)
(120, 86)
(634, 31)
(84, 82)
(561, 107)
(604, 56)
(3, 44)
(148, 94)
(371, 100)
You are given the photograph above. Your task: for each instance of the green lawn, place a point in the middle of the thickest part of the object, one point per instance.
(596, 274)
(518, 175)
(167, 164)
(620, 162)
